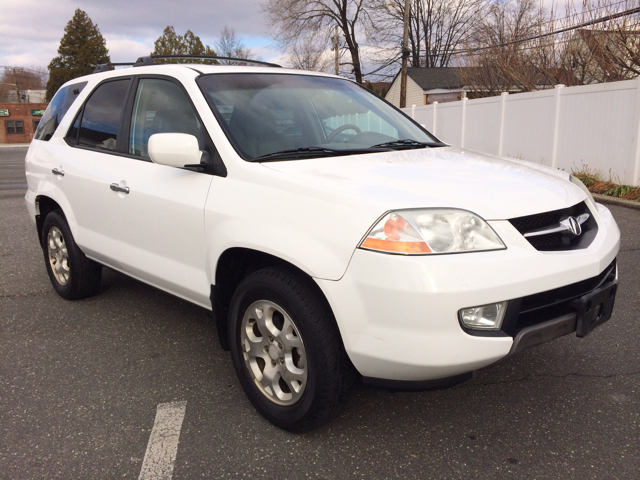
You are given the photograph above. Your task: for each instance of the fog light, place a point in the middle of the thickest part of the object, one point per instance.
(486, 317)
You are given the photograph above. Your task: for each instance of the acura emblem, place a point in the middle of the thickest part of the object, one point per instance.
(572, 225)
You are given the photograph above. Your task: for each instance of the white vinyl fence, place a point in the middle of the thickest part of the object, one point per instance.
(567, 128)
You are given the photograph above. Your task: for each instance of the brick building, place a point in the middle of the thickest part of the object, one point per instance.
(18, 121)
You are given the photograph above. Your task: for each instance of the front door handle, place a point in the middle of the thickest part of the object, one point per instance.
(117, 188)
(57, 171)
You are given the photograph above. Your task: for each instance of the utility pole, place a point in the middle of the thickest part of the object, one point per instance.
(336, 44)
(391, 6)
(405, 54)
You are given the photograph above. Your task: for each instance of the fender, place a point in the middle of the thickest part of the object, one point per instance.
(316, 234)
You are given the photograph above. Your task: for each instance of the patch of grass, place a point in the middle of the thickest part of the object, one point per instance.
(593, 181)
(634, 194)
(587, 175)
(619, 191)
(601, 187)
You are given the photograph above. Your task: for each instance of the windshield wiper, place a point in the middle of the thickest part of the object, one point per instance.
(407, 144)
(307, 152)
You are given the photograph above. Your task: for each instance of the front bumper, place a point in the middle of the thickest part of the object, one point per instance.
(398, 315)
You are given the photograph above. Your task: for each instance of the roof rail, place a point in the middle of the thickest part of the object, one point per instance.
(148, 60)
(104, 67)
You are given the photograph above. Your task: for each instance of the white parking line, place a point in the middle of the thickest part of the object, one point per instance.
(163, 442)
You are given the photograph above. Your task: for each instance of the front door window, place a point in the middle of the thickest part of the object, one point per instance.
(161, 107)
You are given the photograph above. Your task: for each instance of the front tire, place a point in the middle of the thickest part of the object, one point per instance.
(72, 274)
(287, 350)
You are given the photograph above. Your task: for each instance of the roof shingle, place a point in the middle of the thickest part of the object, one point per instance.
(435, 77)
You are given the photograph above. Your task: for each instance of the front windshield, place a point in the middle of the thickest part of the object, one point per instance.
(280, 116)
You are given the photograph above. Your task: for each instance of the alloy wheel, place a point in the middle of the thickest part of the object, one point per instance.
(58, 255)
(273, 352)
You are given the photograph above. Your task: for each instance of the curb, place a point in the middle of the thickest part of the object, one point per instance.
(14, 145)
(621, 202)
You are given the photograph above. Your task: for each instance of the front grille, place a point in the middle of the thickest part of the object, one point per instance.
(540, 307)
(558, 240)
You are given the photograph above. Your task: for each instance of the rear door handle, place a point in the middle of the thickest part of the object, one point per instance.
(57, 171)
(117, 188)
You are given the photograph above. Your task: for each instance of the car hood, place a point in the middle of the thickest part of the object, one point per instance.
(495, 188)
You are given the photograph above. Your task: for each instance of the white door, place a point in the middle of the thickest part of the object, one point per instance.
(158, 211)
(82, 169)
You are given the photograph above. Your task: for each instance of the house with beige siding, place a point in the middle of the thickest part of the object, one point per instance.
(428, 85)
(443, 84)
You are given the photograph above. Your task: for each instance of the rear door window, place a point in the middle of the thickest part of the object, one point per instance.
(56, 110)
(101, 118)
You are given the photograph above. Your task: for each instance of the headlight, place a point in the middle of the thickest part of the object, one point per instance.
(583, 187)
(431, 231)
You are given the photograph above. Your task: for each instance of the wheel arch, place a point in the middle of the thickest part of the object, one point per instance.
(44, 205)
(234, 265)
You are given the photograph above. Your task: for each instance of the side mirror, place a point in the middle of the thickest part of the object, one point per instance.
(174, 149)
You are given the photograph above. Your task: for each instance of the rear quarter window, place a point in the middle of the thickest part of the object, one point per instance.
(57, 109)
(102, 115)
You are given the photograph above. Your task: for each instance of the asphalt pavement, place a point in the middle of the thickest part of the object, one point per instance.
(80, 383)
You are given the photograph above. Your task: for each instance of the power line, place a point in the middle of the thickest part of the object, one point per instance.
(625, 13)
(469, 51)
(591, 9)
(22, 69)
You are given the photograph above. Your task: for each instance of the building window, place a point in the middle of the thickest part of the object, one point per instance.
(35, 125)
(14, 126)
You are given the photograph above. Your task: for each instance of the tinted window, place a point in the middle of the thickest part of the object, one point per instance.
(161, 107)
(101, 116)
(56, 110)
(305, 115)
(72, 134)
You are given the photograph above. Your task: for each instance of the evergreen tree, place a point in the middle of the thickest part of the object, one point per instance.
(170, 43)
(81, 49)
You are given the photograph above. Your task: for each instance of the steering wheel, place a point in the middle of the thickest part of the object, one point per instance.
(342, 128)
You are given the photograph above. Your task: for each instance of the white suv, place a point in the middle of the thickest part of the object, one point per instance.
(332, 237)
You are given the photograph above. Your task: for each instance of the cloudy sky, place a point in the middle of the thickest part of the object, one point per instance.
(30, 30)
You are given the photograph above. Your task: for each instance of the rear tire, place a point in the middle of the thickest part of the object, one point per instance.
(72, 274)
(287, 350)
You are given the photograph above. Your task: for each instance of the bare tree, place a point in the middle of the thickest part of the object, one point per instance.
(606, 47)
(295, 20)
(500, 55)
(437, 28)
(14, 81)
(308, 54)
(229, 45)
(520, 46)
